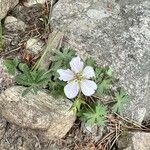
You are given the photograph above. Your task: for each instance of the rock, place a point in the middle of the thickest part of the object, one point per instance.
(2, 127)
(14, 24)
(41, 111)
(30, 3)
(6, 5)
(34, 45)
(54, 43)
(135, 141)
(95, 132)
(6, 80)
(116, 34)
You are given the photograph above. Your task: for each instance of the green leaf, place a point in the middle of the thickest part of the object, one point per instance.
(63, 56)
(95, 114)
(11, 65)
(90, 62)
(23, 80)
(103, 86)
(109, 72)
(121, 99)
(35, 80)
(26, 70)
(77, 104)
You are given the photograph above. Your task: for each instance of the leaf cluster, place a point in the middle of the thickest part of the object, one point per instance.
(94, 114)
(60, 59)
(103, 76)
(11, 65)
(121, 99)
(34, 80)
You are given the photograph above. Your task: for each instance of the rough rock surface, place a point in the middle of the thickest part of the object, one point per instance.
(115, 33)
(2, 127)
(13, 24)
(6, 80)
(136, 141)
(34, 45)
(30, 3)
(5, 6)
(40, 111)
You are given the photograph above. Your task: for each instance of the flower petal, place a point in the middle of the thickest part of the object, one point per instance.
(65, 75)
(88, 87)
(88, 72)
(76, 64)
(71, 89)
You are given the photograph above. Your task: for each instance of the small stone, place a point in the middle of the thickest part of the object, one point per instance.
(41, 111)
(14, 24)
(5, 6)
(30, 3)
(95, 131)
(34, 45)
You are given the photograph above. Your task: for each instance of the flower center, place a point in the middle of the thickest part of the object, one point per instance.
(78, 76)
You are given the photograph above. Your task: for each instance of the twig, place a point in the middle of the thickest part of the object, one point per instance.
(7, 53)
(131, 121)
(114, 141)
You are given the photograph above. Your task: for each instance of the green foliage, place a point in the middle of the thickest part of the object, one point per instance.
(76, 106)
(56, 87)
(95, 114)
(34, 80)
(90, 62)
(62, 58)
(121, 99)
(11, 65)
(103, 76)
(88, 109)
(103, 79)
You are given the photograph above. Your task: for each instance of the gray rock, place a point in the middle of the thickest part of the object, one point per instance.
(13, 24)
(95, 132)
(134, 141)
(2, 127)
(115, 34)
(41, 111)
(5, 6)
(6, 80)
(30, 3)
(34, 45)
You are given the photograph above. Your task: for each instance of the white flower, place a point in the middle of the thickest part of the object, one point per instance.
(78, 79)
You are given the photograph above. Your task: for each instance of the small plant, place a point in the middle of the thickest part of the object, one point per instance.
(81, 82)
(121, 99)
(34, 80)
(96, 114)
